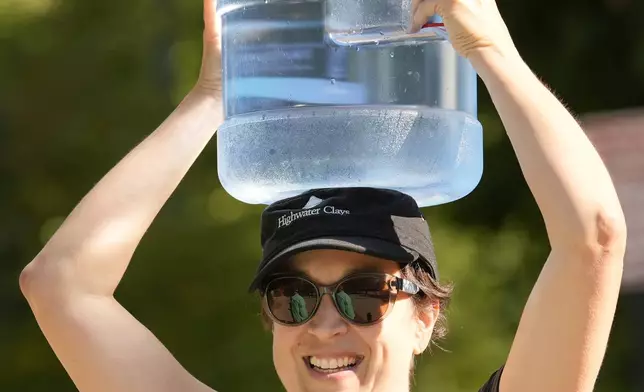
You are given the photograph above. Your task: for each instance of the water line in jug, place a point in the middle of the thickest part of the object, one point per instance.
(303, 112)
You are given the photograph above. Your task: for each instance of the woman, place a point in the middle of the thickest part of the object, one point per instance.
(563, 332)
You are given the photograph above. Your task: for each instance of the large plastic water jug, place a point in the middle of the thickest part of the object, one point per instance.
(337, 93)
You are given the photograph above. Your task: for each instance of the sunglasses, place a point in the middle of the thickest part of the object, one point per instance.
(361, 299)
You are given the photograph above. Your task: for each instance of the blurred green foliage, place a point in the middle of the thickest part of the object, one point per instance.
(83, 81)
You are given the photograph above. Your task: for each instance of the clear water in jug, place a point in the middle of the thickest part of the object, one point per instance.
(315, 98)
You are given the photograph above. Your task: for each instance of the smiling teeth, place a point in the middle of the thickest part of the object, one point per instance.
(332, 363)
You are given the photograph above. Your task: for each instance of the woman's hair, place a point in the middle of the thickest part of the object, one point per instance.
(430, 292)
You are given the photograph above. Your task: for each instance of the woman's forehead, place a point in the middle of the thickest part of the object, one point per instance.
(328, 265)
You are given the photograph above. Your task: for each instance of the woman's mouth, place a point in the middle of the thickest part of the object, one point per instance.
(329, 365)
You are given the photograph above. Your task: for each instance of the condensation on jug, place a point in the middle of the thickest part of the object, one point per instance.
(304, 111)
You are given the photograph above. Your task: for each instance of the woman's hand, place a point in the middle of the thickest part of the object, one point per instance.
(473, 25)
(210, 74)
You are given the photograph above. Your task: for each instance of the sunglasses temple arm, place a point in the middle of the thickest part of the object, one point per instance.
(408, 287)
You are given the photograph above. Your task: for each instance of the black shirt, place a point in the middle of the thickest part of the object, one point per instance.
(493, 383)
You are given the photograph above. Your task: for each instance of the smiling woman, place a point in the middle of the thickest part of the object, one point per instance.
(351, 342)
(352, 296)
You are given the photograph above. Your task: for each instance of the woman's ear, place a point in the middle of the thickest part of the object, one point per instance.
(425, 322)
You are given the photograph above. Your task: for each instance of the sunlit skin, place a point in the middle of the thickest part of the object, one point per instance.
(386, 348)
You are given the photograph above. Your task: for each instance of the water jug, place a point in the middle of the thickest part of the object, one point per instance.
(338, 93)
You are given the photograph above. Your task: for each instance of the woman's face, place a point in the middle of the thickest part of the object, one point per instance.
(383, 352)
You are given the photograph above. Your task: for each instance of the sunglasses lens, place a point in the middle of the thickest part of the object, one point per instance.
(291, 300)
(363, 299)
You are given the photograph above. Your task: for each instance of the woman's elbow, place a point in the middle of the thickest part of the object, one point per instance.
(602, 233)
(40, 279)
(606, 241)
(31, 278)
(611, 231)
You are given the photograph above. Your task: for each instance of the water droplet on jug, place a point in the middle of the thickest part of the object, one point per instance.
(272, 150)
(408, 73)
(381, 33)
(357, 49)
(332, 81)
(391, 55)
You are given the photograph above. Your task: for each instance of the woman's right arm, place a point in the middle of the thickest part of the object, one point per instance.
(70, 283)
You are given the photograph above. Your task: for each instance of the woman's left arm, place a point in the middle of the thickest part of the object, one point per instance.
(562, 336)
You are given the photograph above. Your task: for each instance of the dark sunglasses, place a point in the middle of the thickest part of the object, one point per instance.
(362, 299)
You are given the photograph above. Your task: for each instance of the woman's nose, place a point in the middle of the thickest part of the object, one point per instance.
(327, 322)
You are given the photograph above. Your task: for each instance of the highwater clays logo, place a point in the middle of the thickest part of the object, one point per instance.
(310, 209)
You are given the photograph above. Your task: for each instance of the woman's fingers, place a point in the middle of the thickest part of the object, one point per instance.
(210, 74)
(211, 22)
(422, 11)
